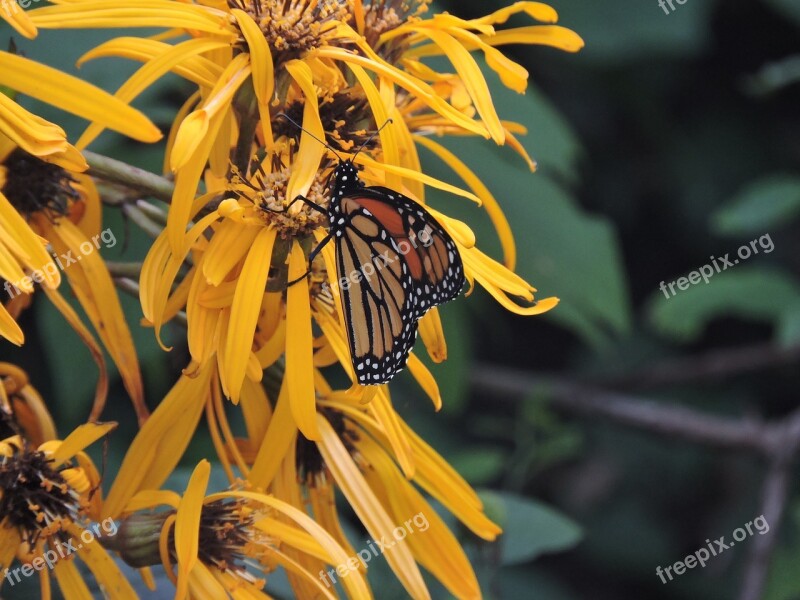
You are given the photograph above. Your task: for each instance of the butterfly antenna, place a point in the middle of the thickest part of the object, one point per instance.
(370, 138)
(301, 128)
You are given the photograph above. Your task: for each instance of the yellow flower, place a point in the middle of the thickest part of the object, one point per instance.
(226, 544)
(42, 200)
(357, 454)
(346, 67)
(48, 497)
(22, 407)
(46, 140)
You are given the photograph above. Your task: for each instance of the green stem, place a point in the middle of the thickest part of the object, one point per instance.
(132, 177)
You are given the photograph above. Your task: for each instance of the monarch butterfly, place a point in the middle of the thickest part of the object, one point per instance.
(395, 262)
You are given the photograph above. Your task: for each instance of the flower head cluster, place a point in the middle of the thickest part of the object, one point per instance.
(283, 91)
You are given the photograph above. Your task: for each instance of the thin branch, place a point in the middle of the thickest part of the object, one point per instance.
(713, 365)
(132, 177)
(777, 441)
(774, 496)
(144, 222)
(660, 418)
(131, 270)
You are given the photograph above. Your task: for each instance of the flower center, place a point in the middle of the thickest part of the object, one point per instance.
(33, 185)
(346, 119)
(293, 27)
(225, 536)
(267, 191)
(308, 458)
(34, 496)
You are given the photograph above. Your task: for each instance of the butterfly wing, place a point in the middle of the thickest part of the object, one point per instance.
(376, 290)
(395, 262)
(431, 254)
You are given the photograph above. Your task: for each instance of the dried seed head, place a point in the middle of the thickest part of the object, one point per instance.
(35, 186)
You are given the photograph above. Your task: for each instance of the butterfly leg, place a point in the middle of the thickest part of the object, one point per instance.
(299, 198)
(306, 201)
(317, 249)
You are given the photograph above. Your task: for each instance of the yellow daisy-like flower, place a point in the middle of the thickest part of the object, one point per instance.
(257, 40)
(48, 498)
(226, 544)
(22, 409)
(366, 451)
(356, 455)
(45, 201)
(355, 64)
(40, 184)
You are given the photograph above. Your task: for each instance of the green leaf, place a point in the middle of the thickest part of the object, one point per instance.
(748, 293)
(789, 327)
(764, 205)
(530, 528)
(620, 31)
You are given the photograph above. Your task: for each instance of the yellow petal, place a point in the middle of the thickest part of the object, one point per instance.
(425, 380)
(430, 330)
(307, 160)
(473, 78)
(368, 508)
(245, 310)
(354, 583)
(95, 290)
(28, 131)
(150, 73)
(16, 17)
(280, 434)
(537, 10)
(75, 96)
(493, 209)
(71, 581)
(79, 439)
(134, 13)
(105, 570)
(299, 350)
(161, 442)
(29, 246)
(260, 56)
(9, 328)
(197, 69)
(196, 125)
(229, 245)
(187, 526)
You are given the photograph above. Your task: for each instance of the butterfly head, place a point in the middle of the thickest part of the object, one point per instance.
(345, 176)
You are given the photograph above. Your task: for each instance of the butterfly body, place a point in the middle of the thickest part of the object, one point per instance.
(395, 262)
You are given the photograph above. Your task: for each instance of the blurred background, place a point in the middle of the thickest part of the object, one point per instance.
(592, 431)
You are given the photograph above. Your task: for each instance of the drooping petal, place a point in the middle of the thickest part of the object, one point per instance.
(306, 162)
(84, 436)
(245, 310)
(75, 96)
(187, 526)
(299, 347)
(368, 508)
(161, 442)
